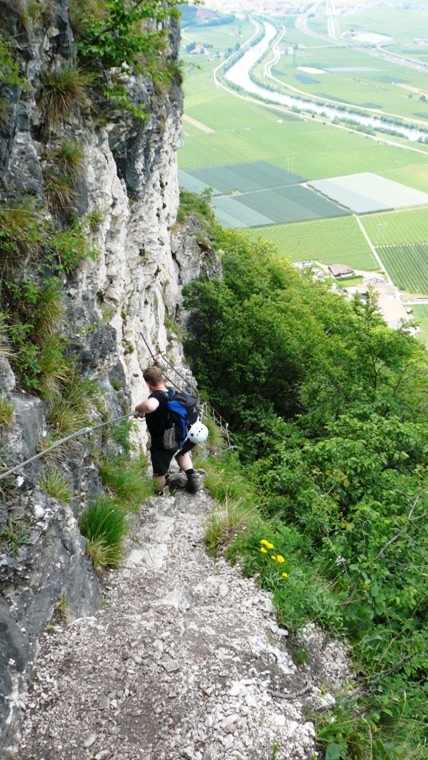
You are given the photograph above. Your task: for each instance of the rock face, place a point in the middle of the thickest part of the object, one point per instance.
(116, 309)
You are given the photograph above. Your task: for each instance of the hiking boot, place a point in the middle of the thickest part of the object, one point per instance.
(193, 484)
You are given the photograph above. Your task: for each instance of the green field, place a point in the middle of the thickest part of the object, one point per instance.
(245, 130)
(328, 241)
(353, 77)
(401, 22)
(420, 313)
(407, 265)
(394, 227)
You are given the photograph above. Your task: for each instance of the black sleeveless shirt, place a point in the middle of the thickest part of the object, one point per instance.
(156, 420)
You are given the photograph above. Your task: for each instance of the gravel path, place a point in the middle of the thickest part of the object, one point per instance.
(184, 660)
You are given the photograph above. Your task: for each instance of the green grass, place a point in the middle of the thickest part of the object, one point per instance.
(328, 241)
(104, 525)
(127, 480)
(55, 483)
(6, 412)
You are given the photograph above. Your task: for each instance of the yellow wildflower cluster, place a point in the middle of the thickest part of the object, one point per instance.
(265, 545)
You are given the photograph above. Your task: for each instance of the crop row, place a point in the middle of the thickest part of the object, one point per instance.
(407, 265)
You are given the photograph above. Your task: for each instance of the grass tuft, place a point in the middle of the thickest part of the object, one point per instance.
(127, 480)
(22, 233)
(104, 525)
(6, 412)
(61, 94)
(55, 484)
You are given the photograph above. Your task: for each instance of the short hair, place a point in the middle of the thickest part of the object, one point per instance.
(153, 376)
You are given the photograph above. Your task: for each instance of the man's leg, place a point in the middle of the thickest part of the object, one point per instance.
(160, 482)
(160, 462)
(184, 462)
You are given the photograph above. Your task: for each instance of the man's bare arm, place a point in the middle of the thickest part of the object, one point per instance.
(150, 405)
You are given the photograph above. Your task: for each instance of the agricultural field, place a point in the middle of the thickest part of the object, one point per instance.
(217, 38)
(245, 130)
(365, 192)
(294, 203)
(403, 23)
(345, 75)
(397, 227)
(245, 178)
(327, 241)
(420, 314)
(223, 133)
(407, 266)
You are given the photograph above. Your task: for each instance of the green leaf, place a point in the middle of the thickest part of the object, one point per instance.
(333, 752)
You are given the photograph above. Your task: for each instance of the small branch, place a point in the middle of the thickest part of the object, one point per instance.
(294, 695)
(207, 693)
(400, 532)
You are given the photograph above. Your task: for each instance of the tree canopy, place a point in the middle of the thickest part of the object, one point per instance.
(328, 406)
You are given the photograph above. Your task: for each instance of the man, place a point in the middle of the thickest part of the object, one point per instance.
(155, 410)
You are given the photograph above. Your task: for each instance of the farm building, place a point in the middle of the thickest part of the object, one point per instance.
(340, 270)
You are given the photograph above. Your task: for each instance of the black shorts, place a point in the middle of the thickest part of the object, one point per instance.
(161, 458)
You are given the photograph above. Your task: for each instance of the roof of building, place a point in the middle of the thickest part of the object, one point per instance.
(338, 270)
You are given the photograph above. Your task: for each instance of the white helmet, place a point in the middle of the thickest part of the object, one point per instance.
(198, 433)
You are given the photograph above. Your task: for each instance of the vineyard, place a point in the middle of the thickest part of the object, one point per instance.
(420, 313)
(329, 241)
(407, 265)
(394, 227)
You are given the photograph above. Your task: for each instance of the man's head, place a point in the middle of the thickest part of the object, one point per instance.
(153, 377)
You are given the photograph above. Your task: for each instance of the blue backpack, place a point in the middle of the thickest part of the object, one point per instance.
(183, 411)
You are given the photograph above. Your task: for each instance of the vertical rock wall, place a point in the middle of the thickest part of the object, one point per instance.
(116, 307)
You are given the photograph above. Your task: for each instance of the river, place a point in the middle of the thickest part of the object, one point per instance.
(239, 74)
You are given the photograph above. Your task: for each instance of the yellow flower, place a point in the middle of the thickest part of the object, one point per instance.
(263, 550)
(266, 543)
(272, 557)
(285, 575)
(280, 559)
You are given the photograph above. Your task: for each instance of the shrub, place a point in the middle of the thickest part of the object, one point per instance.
(70, 246)
(34, 315)
(49, 310)
(104, 525)
(9, 69)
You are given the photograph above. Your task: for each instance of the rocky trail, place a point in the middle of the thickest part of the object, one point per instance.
(184, 660)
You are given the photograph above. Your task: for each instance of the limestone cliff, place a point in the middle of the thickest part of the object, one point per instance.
(116, 306)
